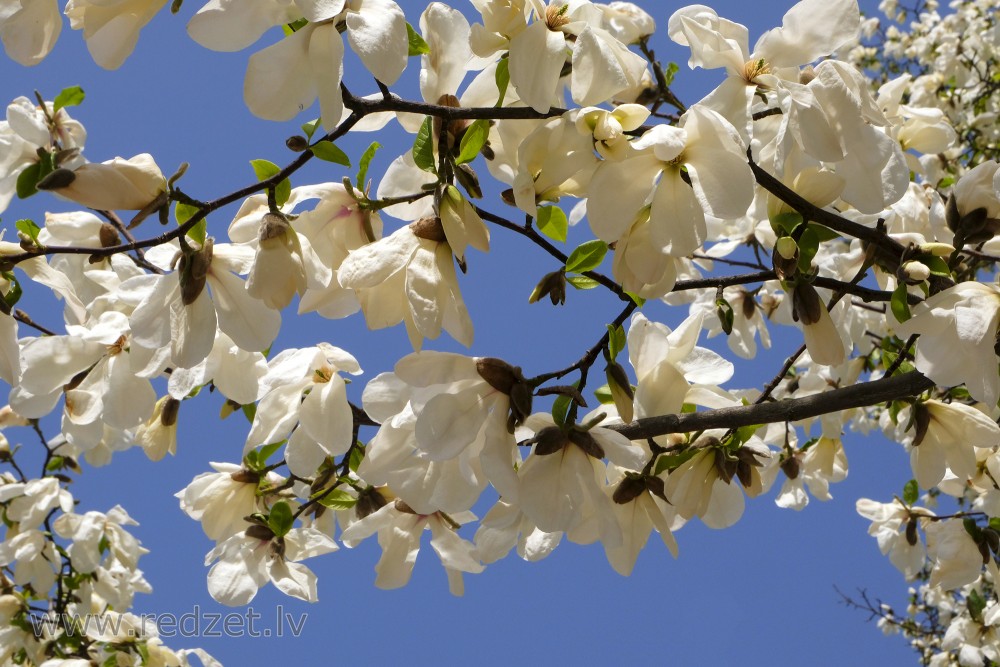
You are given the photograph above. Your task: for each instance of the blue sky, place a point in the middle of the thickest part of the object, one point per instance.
(761, 592)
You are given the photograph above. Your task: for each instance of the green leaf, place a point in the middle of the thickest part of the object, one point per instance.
(423, 146)
(473, 140)
(786, 222)
(280, 519)
(937, 265)
(976, 604)
(310, 128)
(416, 44)
(639, 301)
(552, 222)
(582, 282)
(357, 456)
(560, 407)
(502, 79)
(294, 26)
(995, 523)
(616, 340)
(29, 229)
(328, 151)
(55, 463)
(899, 305)
(366, 159)
(670, 72)
(724, 310)
(823, 233)
(264, 170)
(13, 295)
(911, 492)
(972, 529)
(68, 97)
(587, 256)
(604, 395)
(808, 247)
(671, 461)
(268, 450)
(249, 411)
(184, 212)
(27, 179)
(338, 499)
(252, 460)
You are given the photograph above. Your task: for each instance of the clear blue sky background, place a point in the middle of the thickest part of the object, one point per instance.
(760, 593)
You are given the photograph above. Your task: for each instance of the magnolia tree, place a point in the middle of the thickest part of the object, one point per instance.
(841, 182)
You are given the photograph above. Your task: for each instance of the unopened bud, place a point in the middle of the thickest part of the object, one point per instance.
(787, 248)
(937, 249)
(193, 271)
(785, 257)
(498, 373)
(109, 236)
(297, 143)
(621, 390)
(468, 179)
(911, 531)
(245, 476)
(552, 285)
(913, 272)
(791, 467)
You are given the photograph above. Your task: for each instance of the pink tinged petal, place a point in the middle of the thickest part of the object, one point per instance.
(378, 35)
(30, 32)
(618, 190)
(809, 30)
(252, 325)
(446, 31)
(449, 423)
(536, 59)
(192, 330)
(326, 416)
(233, 25)
(326, 57)
(279, 82)
(676, 217)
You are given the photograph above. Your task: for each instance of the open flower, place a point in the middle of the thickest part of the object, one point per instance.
(29, 29)
(111, 27)
(118, 184)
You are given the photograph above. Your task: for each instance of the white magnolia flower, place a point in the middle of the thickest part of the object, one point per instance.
(111, 27)
(93, 533)
(248, 560)
(33, 556)
(504, 527)
(399, 529)
(305, 388)
(964, 317)
(639, 510)
(158, 435)
(957, 560)
(118, 184)
(823, 463)
(894, 526)
(220, 500)
(553, 161)
(947, 435)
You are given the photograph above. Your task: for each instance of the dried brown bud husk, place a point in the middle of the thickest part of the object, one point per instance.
(272, 225)
(58, 179)
(585, 441)
(168, 415)
(245, 476)
(498, 373)
(992, 539)
(921, 420)
(911, 531)
(193, 271)
(430, 229)
(630, 488)
(260, 532)
(550, 440)
(791, 467)
(621, 390)
(520, 404)
(468, 179)
(403, 507)
(806, 304)
(785, 258)
(749, 304)
(454, 129)
(656, 487)
(369, 500)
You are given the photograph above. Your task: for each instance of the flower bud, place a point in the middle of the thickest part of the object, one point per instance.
(193, 271)
(297, 143)
(937, 249)
(806, 304)
(791, 467)
(913, 272)
(118, 184)
(550, 440)
(552, 285)
(785, 257)
(621, 390)
(429, 229)
(109, 236)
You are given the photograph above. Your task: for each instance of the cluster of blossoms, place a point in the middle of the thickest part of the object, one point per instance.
(795, 165)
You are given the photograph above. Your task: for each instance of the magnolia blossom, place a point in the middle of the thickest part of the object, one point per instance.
(118, 184)
(639, 508)
(891, 527)
(248, 560)
(220, 500)
(964, 317)
(399, 529)
(948, 434)
(821, 464)
(957, 560)
(94, 532)
(504, 527)
(111, 27)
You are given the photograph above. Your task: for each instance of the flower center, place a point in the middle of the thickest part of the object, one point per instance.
(754, 68)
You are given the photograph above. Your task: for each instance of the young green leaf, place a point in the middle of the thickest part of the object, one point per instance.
(415, 43)
(27, 179)
(338, 499)
(29, 229)
(552, 222)
(264, 170)
(899, 305)
(587, 256)
(582, 282)
(280, 519)
(616, 340)
(329, 152)
(911, 492)
(366, 159)
(473, 140)
(423, 146)
(603, 394)
(68, 97)
(357, 456)
(309, 129)
(502, 79)
(808, 247)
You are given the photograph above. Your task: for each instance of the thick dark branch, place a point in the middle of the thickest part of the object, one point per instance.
(363, 107)
(792, 409)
